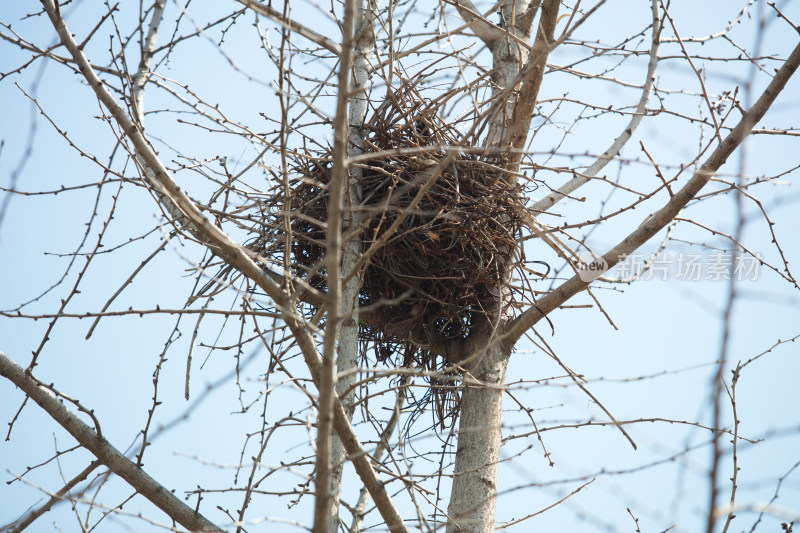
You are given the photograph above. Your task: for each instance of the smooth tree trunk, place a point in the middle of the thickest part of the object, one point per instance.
(472, 501)
(347, 354)
(517, 77)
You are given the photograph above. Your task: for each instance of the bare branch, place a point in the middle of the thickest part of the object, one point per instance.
(488, 32)
(277, 16)
(666, 214)
(63, 494)
(576, 182)
(348, 349)
(519, 127)
(148, 45)
(148, 487)
(237, 256)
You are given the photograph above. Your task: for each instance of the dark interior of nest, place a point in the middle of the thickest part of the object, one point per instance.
(440, 271)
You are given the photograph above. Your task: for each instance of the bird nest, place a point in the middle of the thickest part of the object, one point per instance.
(439, 222)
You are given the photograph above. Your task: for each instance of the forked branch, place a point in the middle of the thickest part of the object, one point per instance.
(666, 214)
(641, 109)
(115, 460)
(237, 256)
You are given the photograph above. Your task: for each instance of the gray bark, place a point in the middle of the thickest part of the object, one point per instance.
(325, 483)
(110, 456)
(473, 497)
(472, 502)
(347, 354)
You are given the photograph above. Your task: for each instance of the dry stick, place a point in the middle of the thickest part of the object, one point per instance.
(551, 506)
(192, 346)
(722, 33)
(696, 72)
(363, 497)
(291, 25)
(104, 451)
(59, 496)
(658, 170)
(665, 215)
(641, 109)
(333, 254)
(237, 256)
(124, 285)
(140, 312)
(734, 445)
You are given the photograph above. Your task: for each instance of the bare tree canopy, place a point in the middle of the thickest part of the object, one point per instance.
(404, 266)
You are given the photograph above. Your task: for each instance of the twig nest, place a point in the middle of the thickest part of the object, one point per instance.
(455, 228)
(440, 222)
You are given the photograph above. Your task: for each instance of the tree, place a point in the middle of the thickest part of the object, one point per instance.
(386, 274)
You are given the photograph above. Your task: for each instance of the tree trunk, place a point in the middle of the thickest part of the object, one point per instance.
(472, 502)
(347, 354)
(517, 78)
